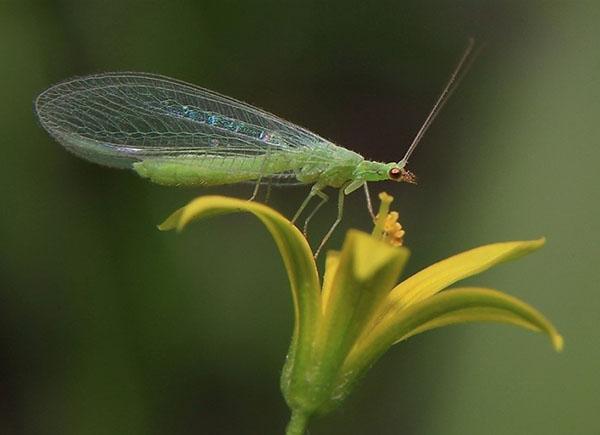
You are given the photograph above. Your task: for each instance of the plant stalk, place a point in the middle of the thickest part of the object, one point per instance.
(298, 423)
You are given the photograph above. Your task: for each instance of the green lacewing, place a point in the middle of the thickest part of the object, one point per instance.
(176, 133)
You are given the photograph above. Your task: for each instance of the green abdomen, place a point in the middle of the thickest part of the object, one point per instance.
(213, 170)
(330, 167)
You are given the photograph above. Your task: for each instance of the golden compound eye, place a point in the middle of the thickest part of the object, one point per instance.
(395, 173)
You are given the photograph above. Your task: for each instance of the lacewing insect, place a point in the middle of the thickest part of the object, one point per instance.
(175, 133)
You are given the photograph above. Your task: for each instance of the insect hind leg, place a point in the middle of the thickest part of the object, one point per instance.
(269, 185)
(260, 177)
(324, 198)
(268, 194)
(341, 196)
(255, 192)
(313, 192)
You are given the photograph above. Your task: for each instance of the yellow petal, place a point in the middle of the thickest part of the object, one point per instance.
(365, 271)
(372, 254)
(462, 305)
(332, 262)
(298, 260)
(473, 304)
(440, 275)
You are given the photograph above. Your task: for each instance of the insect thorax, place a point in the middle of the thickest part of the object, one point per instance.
(334, 167)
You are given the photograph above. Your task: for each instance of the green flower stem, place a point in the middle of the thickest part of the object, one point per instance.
(298, 423)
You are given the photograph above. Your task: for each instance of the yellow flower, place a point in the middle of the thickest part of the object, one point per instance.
(343, 327)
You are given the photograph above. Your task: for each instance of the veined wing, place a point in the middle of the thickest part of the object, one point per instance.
(118, 118)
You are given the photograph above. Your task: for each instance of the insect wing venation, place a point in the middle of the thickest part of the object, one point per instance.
(119, 118)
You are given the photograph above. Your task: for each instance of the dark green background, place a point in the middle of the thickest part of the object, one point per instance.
(108, 326)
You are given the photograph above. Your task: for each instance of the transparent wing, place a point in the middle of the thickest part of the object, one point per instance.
(119, 118)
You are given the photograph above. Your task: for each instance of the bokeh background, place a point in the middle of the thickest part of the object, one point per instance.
(108, 326)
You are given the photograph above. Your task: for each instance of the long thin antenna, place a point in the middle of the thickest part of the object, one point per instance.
(459, 72)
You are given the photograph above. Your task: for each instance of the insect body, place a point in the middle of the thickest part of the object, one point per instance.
(175, 133)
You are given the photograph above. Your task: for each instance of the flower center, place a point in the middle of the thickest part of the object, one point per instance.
(387, 228)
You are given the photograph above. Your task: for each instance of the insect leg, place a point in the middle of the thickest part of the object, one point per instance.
(324, 197)
(268, 194)
(262, 170)
(256, 186)
(341, 195)
(369, 204)
(313, 191)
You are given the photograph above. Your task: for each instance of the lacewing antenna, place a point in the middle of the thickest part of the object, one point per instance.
(459, 72)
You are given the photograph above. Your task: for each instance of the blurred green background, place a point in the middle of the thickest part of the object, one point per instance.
(108, 326)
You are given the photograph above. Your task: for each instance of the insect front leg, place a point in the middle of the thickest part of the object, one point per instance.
(369, 203)
(353, 185)
(341, 196)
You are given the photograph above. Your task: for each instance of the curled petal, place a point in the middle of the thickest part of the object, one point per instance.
(472, 304)
(461, 305)
(298, 260)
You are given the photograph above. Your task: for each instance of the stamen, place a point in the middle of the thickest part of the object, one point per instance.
(387, 228)
(393, 232)
(379, 220)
